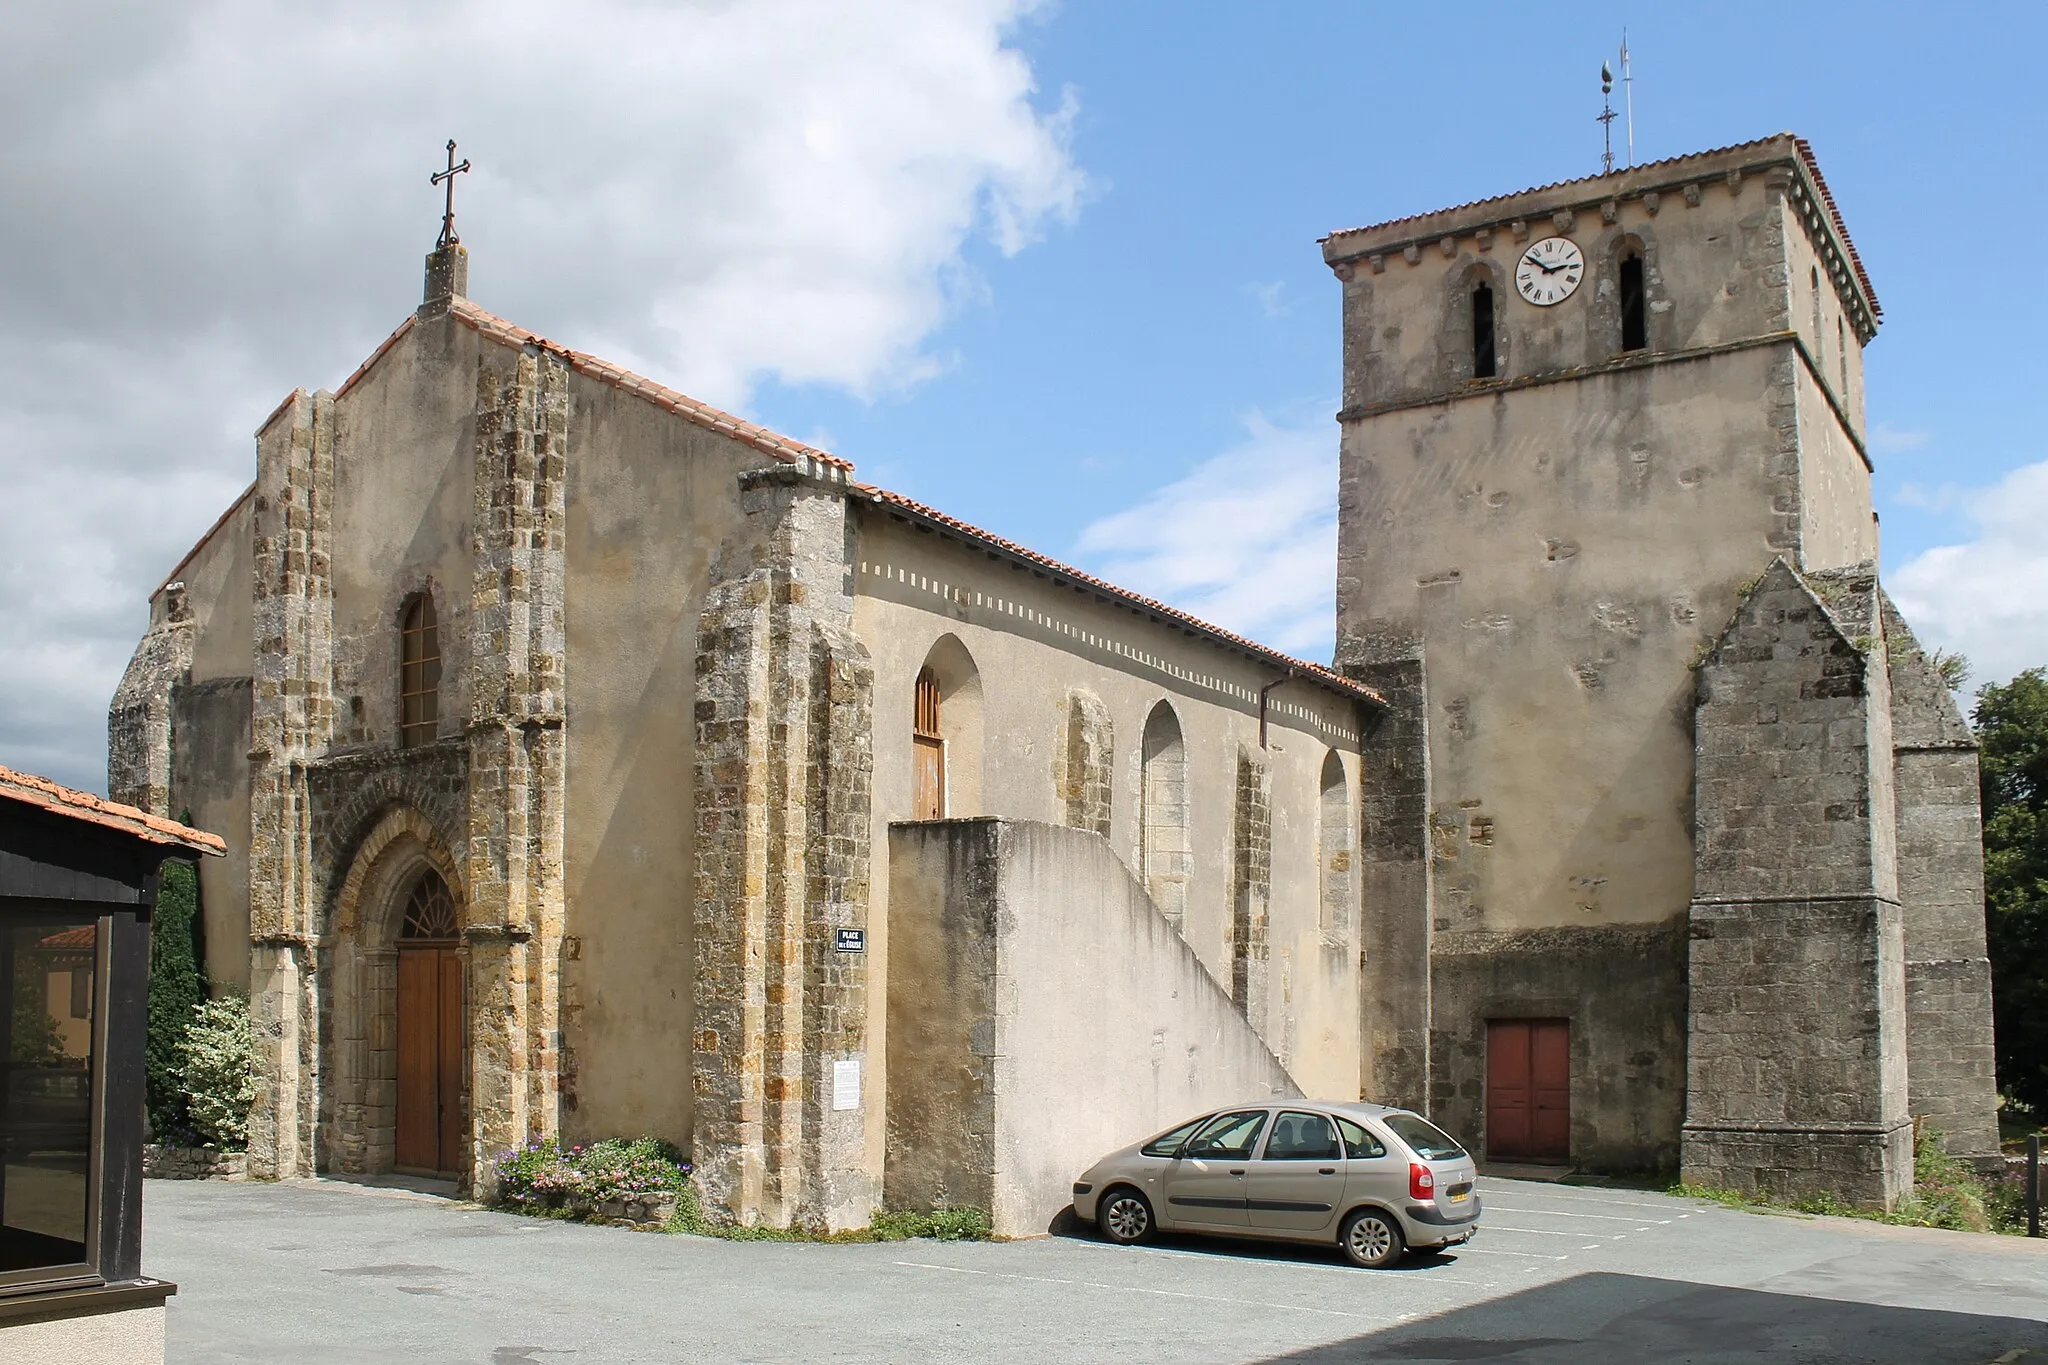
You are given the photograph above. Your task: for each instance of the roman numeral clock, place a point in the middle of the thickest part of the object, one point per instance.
(1549, 271)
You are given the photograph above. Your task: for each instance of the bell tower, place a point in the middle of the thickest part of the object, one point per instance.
(1580, 424)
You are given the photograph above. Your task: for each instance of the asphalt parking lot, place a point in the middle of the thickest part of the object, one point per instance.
(319, 1272)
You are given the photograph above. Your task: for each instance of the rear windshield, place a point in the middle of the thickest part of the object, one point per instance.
(1426, 1140)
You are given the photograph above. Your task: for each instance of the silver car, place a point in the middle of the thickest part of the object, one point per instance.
(1376, 1181)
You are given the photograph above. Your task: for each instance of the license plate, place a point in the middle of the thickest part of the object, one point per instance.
(1460, 1196)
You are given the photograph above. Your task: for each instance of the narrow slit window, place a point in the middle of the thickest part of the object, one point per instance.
(419, 674)
(1635, 333)
(1483, 360)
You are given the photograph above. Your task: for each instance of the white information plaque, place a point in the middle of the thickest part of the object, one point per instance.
(846, 1084)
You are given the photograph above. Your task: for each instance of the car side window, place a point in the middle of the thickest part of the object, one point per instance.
(1359, 1142)
(1302, 1137)
(1168, 1143)
(1229, 1137)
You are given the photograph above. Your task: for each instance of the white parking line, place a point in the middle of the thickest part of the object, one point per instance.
(1556, 1192)
(1133, 1289)
(1560, 1213)
(1544, 1232)
(1496, 1251)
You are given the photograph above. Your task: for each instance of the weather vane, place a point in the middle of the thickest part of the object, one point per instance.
(448, 237)
(1605, 120)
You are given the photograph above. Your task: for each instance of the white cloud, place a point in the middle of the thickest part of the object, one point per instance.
(1247, 540)
(1987, 597)
(1887, 439)
(209, 204)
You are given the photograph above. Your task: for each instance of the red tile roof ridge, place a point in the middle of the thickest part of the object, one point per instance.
(703, 414)
(211, 532)
(376, 355)
(51, 796)
(1806, 156)
(1314, 672)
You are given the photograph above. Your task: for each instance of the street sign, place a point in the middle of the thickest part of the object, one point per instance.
(850, 940)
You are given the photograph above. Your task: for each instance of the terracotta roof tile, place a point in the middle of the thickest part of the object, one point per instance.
(703, 414)
(41, 792)
(84, 936)
(1806, 156)
(1317, 673)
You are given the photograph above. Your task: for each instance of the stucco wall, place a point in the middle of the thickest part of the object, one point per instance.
(1032, 643)
(1032, 1060)
(129, 1336)
(1837, 526)
(652, 500)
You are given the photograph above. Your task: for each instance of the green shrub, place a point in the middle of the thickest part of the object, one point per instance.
(217, 1068)
(944, 1225)
(545, 1175)
(1946, 1193)
(176, 987)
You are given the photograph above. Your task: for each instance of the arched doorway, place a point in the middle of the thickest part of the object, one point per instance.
(430, 1124)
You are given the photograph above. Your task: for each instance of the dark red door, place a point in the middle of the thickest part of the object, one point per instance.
(1528, 1090)
(429, 1132)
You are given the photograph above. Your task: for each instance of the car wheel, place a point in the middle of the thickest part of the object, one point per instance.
(1125, 1216)
(1371, 1239)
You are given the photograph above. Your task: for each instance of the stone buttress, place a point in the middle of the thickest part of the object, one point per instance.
(1796, 1051)
(292, 721)
(783, 788)
(514, 923)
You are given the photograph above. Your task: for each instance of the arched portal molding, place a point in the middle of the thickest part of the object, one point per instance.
(402, 843)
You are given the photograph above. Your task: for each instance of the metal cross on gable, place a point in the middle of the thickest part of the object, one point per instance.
(448, 237)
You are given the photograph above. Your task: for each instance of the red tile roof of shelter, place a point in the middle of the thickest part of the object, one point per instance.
(1312, 672)
(1806, 157)
(41, 792)
(84, 936)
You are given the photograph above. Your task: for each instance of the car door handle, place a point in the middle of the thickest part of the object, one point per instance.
(1237, 1170)
(1327, 1170)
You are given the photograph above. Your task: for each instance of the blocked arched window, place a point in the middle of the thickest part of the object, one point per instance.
(1335, 842)
(1165, 850)
(928, 742)
(1484, 360)
(419, 672)
(1635, 326)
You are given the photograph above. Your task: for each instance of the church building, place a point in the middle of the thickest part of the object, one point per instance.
(593, 762)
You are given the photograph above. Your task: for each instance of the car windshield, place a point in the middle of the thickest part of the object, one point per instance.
(1168, 1143)
(1425, 1139)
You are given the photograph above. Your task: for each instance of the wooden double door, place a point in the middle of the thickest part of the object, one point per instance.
(429, 1137)
(1529, 1090)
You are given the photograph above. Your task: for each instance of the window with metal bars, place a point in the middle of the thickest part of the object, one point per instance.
(419, 673)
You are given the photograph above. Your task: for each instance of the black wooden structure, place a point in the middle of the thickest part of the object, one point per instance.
(78, 884)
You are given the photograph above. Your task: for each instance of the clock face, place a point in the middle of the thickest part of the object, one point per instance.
(1549, 271)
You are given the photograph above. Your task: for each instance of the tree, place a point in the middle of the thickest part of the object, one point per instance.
(176, 988)
(2012, 727)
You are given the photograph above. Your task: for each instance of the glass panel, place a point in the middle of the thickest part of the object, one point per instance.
(1361, 1143)
(1229, 1136)
(1168, 1143)
(1425, 1139)
(1302, 1137)
(46, 1100)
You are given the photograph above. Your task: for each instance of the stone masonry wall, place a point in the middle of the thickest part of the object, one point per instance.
(1952, 1079)
(1796, 1039)
(1084, 771)
(513, 823)
(139, 717)
(1251, 885)
(783, 775)
(292, 720)
(1396, 874)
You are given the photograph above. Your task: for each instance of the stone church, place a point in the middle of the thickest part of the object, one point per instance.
(594, 762)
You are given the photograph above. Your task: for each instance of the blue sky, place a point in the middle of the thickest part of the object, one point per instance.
(1051, 267)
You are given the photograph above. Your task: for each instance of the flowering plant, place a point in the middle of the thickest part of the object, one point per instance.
(543, 1173)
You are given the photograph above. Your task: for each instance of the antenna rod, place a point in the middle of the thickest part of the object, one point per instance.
(1606, 120)
(1628, 97)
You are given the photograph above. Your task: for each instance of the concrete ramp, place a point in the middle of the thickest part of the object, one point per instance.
(1042, 1012)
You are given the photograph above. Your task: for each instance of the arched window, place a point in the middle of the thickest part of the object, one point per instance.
(1483, 361)
(1165, 853)
(1334, 852)
(419, 673)
(429, 911)
(1635, 331)
(929, 742)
